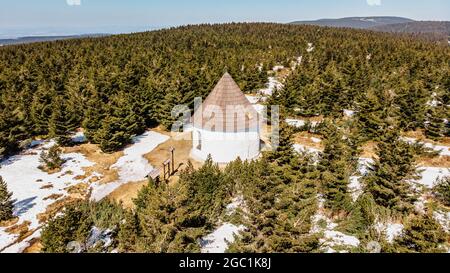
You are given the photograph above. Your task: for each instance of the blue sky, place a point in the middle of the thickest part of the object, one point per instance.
(23, 17)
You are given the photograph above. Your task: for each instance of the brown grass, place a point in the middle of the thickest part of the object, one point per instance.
(182, 142)
(53, 197)
(20, 229)
(368, 150)
(126, 193)
(438, 162)
(45, 187)
(420, 135)
(35, 246)
(54, 208)
(304, 138)
(103, 162)
(9, 223)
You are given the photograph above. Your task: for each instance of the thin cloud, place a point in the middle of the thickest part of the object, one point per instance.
(373, 3)
(73, 2)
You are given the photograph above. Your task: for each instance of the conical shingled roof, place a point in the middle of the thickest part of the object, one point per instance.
(226, 109)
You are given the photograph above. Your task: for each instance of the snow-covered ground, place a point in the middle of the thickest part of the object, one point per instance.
(443, 218)
(443, 150)
(132, 167)
(332, 240)
(349, 113)
(298, 123)
(390, 230)
(355, 187)
(79, 137)
(302, 148)
(430, 175)
(31, 187)
(219, 240)
(271, 86)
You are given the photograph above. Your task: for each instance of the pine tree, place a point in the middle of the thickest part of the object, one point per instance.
(337, 163)
(112, 136)
(93, 117)
(51, 160)
(435, 126)
(61, 122)
(422, 234)
(128, 233)
(279, 217)
(393, 166)
(74, 225)
(284, 152)
(442, 191)
(6, 203)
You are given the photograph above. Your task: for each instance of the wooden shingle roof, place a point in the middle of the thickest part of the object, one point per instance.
(226, 109)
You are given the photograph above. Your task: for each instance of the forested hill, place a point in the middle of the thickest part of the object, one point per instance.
(430, 29)
(117, 86)
(356, 22)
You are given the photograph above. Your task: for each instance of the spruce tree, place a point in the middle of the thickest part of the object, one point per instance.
(128, 233)
(337, 163)
(51, 159)
(393, 167)
(284, 152)
(6, 203)
(61, 122)
(74, 225)
(435, 126)
(442, 191)
(422, 234)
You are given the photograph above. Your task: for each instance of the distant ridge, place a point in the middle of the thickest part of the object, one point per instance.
(417, 27)
(36, 39)
(357, 22)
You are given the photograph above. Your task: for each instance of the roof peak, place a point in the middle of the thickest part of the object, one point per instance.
(225, 97)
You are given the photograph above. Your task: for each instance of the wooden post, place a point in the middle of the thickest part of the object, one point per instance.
(164, 172)
(172, 151)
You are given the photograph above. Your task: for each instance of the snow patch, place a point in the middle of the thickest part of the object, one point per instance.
(132, 167)
(298, 123)
(219, 240)
(443, 218)
(332, 239)
(79, 137)
(349, 113)
(430, 175)
(278, 68)
(443, 150)
(271, 86)
(302, 148)
(25, 180)
(391, 230)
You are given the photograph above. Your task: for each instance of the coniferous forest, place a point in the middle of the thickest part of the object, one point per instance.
(118, 86)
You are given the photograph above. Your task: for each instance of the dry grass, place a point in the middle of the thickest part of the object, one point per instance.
(45, 187)
(420, 135)
(53, 197)
(437, 162)
(78, 191)
(35, 246)
(126, 193)
(103, 162)
(9, 223)
(305, 139)
(20, 229)
(54, 208)
(182, 142)
(368, 150)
